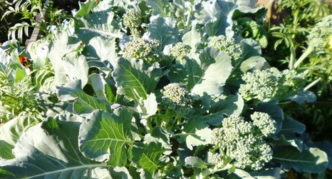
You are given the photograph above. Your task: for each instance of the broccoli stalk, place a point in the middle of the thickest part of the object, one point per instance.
(319, 41)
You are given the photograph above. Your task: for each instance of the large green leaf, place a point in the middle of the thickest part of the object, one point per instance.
(253, 63)
(188, 74)
(101, 22)
(6, 150)
(159, 6)
(217, 67)
(107, 136)
(11, 131)
(163, 29)
(102, 48)
(148, 107)
(192, 38)
(222, 106)
(291, 125)
(327, 147)
(66, 59)
(148, 156)
(198, 137)
(52, 154)
(85, 8)
(215, 16)
(83, 103)
(268, 173)
(134, 79)
(313, 160)
(195, 162)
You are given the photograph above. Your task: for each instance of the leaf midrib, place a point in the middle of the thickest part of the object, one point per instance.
(69, 169)
(136, 79)
(110, 139)
(293, 160)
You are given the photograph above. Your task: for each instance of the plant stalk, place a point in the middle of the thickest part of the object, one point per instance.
(306, 53)
(312, 84)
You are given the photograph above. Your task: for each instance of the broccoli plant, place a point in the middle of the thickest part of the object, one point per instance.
(121, 111)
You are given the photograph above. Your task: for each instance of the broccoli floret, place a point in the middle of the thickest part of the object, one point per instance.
(268, 84)
(133, 20)
(227, 45)
(142, 49)
(264, 122)
(239, 140)
(179, 51)
(175, 94)
(260, 84)
(320, 35)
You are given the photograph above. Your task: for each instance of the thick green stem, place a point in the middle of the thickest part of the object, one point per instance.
(306, 53)
(292, 58)
(311, 84)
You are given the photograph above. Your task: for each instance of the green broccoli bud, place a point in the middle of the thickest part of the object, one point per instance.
(320, 36)
(175, 94)
(179, 51)
(142, 49)
(238, 140)
(268, 84)
(264, 122)
(260, 84)
(227, 45)
(133, 20)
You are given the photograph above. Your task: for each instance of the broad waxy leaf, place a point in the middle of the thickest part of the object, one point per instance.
(253, 63)
(304, 97)
(192, 38)
(326, 146)
(84, 103)
(10, 133)
(107, 137)
(5, 150)
(100, 22)
(269, 173)
(199, 137)
(195, 162)
(102, 48)
(148, 107)
(293, 126)
(213, 62)
(189, 74)
(67, 62)
(158, 6)
(85, 8)
(53, 154)
(148, 156)
(215, 15)
(134, 79)
(218, 107)
(163, 29)
(313, 160)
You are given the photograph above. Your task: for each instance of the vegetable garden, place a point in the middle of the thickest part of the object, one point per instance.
(166, 89)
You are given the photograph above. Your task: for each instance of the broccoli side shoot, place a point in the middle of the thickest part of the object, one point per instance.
(146, 50)
(241, 143)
